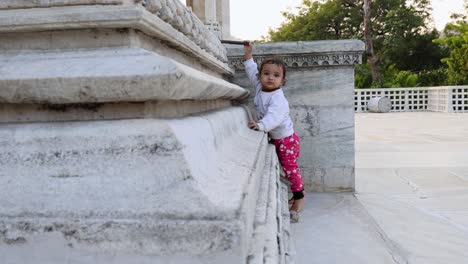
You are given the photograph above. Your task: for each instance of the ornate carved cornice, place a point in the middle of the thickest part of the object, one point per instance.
(303, 54)
(20, 4)
(182, 19)
(171, 12)
(304, 60)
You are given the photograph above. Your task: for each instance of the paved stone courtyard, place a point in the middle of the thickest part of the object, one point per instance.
(411, 199)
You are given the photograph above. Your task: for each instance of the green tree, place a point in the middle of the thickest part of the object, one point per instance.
(395, 78)
(335, 19)
(415, 53)
(457, 41)
(338, 19)
(400, 34)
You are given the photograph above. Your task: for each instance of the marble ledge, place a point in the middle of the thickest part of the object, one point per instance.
(18, 4)
(115, 17)
(106, 75)
(303, 54)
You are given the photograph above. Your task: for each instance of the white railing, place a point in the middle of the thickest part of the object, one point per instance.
(437, 99)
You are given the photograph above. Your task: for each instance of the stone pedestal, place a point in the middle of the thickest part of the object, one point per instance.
(119, 141)
(131, 187)
(223, 14)
(320, 90)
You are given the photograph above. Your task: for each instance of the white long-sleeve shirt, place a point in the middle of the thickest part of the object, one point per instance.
(272, 108)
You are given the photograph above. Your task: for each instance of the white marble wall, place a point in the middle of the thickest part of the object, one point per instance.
(320, 90)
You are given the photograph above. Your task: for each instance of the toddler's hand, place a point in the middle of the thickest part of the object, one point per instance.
(254, 126)
(248, 50)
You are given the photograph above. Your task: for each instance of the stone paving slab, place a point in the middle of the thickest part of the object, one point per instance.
(335, 228)
(460, 172)
(437, 204)
(417, 233)
(433, 180)
(411, 159)
(387, 182)
(457, 217)
(428, 152)
(411, 199)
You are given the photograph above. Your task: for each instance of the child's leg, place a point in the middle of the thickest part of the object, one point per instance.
(288, 150)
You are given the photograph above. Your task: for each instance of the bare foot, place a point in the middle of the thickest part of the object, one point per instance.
(298, 205)
(294, 217)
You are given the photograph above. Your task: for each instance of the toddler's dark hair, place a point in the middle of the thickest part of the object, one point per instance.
(275, 61)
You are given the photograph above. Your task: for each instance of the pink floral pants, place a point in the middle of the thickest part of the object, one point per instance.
(288, 150)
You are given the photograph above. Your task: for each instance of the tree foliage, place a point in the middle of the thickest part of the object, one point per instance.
(457, 41)
(401, 35)
(316, 20)
(339, 19)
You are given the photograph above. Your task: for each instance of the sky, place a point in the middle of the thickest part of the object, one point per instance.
(251, 19)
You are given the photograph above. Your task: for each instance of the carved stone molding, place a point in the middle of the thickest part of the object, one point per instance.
(214, 27)
(19, 4)
(304, 60)
(172, 12)
(182, 19)
(100, 76)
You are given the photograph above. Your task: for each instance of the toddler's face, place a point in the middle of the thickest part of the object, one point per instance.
(271, 77)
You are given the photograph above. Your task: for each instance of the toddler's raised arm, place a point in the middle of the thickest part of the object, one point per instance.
(250, 66)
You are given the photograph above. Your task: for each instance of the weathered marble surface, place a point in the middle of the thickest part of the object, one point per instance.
(17, 4)
(134, 188)
(184, 189)
(323, 115)
(272, 232)
(182, 19)
(400, 213)
(173, 12)
(105, 75)
(335, 228)
(14, 113)
(200, 44)
(412, 178)
(303, 54)
(321, 98)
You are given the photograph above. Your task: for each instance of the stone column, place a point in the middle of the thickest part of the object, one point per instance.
(206, 11)
(320, 91)
(224, 18)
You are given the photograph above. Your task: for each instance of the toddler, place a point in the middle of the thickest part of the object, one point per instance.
(272, 113)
